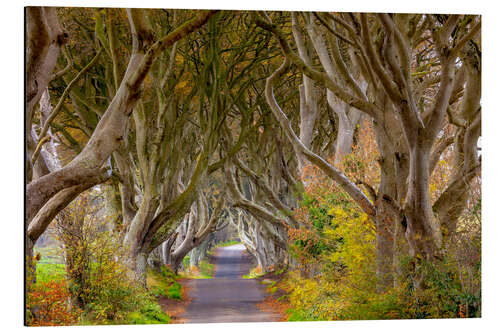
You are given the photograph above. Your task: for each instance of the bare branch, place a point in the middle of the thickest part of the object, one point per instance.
(331, 171)
(60, 103)
(318, 77)
(470, 35)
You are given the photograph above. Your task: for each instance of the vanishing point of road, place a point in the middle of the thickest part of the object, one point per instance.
(226, 297)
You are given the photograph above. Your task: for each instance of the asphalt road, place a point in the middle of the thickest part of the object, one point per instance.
(226, 297)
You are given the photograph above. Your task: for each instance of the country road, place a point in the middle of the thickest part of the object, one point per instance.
(227, 297)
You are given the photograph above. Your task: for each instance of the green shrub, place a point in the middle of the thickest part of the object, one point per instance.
(337, 279)
(297, 315)
(149, 313)
(175, 291)
(164, 283)
(442, 294)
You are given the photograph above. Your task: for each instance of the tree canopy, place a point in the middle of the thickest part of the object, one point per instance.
(272, 122)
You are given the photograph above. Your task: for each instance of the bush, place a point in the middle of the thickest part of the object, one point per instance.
(347, 280)
(149, 313)
(308, 244)
(336, 279)
(48, 305)
(164, 283)
(137, 308)
(98, 281)
(175, 291)
(443, 294)
(93, 287)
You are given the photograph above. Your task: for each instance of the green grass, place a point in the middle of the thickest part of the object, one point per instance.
(270, 283)
(145, 311)
(143, 308)
(148, 316)
(175, 291)
(163, 283)
(206, 270)
(148, 312)
(52, 254)
(50, 266)
(253, 274)
(296, 315)
(46, 272)
(272, 287)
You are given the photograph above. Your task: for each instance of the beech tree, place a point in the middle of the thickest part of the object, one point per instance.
(49, 193)
(250, 104)
(199, 224)
(391, 51)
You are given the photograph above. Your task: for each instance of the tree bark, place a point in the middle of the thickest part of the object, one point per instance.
(110, 130)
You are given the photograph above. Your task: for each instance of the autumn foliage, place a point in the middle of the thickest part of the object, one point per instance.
(336, 251)
(48, 305)
(344, 148)
(96, 288)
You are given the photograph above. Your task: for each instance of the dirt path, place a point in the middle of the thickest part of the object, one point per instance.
(227, 297)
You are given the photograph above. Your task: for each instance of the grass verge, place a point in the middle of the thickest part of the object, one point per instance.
(254, 273)
(163, 283)
(205, 269)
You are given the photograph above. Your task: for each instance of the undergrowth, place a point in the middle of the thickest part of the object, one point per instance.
(205, 269)
(163, 283)
(336, 277)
